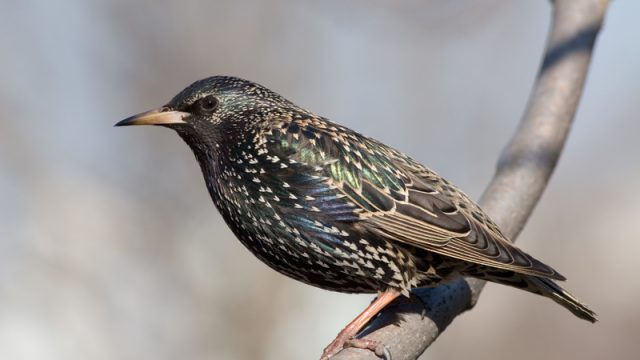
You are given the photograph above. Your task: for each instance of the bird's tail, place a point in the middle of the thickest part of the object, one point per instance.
(550, 289)
(541, 286)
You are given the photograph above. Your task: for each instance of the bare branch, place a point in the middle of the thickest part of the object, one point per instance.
(523, 172)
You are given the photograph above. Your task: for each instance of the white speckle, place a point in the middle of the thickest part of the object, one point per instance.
(394, 267)
(369, 248)
(339, 251)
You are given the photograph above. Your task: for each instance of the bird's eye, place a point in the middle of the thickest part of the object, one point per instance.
(208, 103)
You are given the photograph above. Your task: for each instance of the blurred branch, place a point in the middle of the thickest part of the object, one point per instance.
(523, 171)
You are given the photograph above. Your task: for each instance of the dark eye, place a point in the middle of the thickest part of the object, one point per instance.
(208, 103)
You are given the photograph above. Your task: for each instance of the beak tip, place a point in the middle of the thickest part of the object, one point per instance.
(120, 123)
(131, 120)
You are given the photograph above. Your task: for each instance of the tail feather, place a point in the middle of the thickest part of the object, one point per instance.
(556, 293)
(537, 285)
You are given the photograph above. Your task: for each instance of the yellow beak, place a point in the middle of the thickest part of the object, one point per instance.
(155, 117)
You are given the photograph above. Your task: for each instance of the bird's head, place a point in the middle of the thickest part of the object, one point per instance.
(215, 108)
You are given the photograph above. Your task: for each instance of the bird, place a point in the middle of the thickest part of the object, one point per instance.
(335, 209)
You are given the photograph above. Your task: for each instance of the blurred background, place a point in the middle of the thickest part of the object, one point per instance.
(110, 247)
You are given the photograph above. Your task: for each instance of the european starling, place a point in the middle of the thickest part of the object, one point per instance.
(335, 209)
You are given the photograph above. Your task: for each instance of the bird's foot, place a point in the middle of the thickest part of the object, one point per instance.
(378, 348)
(336, 345)
(340, 343)
(346, 337)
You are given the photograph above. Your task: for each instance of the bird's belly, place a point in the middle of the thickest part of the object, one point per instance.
(307, 269)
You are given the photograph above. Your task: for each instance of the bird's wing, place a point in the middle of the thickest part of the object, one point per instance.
(431, 218)
(403, 201)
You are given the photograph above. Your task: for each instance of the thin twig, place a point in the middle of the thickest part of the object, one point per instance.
(522, 174)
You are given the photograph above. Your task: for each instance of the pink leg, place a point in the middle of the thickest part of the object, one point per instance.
(346, 335)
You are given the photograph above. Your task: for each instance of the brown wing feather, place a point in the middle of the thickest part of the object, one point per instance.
(430, 218)
(403, 201)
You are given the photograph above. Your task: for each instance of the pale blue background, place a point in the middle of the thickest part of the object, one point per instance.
(111, 249)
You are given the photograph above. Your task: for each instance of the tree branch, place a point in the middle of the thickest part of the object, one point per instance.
(523, 171)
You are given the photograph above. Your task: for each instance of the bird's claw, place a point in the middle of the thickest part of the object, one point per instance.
(377, 347)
